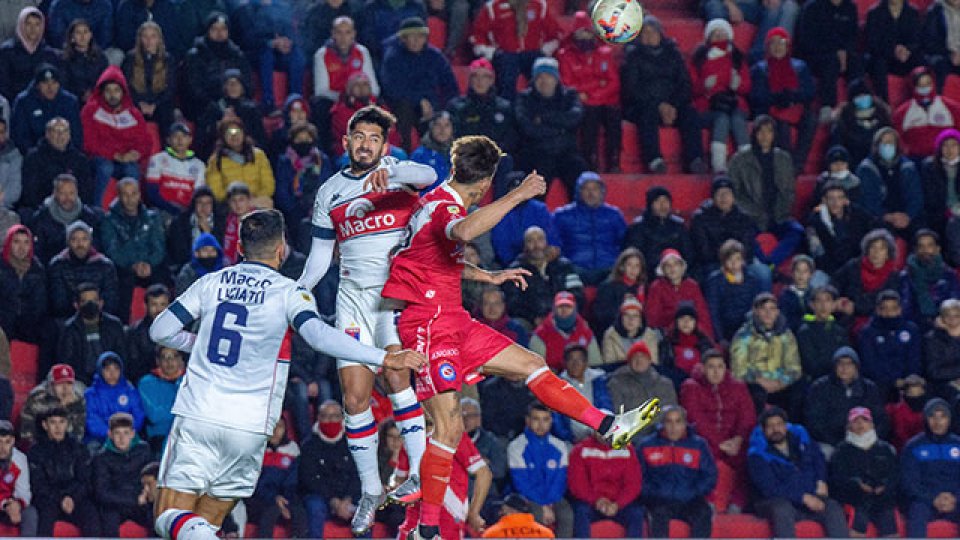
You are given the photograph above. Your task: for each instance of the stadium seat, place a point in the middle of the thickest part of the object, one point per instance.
(606, 528)
(156, 138)
(130, 529)
(809, 529)
(9, 531)
(951, 88)
(280, 88)
(898, 89)
(803, 198)
(65, 529)
(743, 35)
(462, 73)
(688, 33)
(589, 295)
(336, 529)
(24, 358)
(740, 526)
(942, 529)
(279, 531)
(109, 194)
(137, 308)
(438, 32)
(679, 529)
(556, 195)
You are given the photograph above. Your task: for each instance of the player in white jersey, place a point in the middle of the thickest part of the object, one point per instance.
(232, 393)
(365, 208)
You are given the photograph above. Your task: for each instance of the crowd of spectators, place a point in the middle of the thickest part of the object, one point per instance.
(806, 360)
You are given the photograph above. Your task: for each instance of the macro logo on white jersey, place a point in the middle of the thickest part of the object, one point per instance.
(373, 213)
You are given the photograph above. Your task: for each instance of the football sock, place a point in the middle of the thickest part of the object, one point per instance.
(435, 470)
(409, 418)
(557, 394)
(362, 439)
(175, 524)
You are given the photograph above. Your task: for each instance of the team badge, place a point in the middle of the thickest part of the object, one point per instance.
(447, 372)
(306, 297)
(353, 331)
(123, 399)
(453, 209)
(8, 479)
(904, 336)
(955, 452)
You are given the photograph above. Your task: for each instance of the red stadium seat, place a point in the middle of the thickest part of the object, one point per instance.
(898, 89)
(438, 32)
(804, 195)
(556, 195)
(24, 358)
(606, 528)
(809, 529)
(743, 35)
(9, 531)
(65, 529)
(156, 138)
(462, 73)
(942, 529)
(951, 88)
(129, 529)
(109, 194)
(336, 529)
(679, 529)
(280, 88)
(279, 531)
(740, 526)
(137, 307)
(688, 33)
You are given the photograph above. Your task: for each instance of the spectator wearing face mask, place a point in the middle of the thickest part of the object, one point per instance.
(906, 415)
(859, 119)
(922, 117)
(207, 257)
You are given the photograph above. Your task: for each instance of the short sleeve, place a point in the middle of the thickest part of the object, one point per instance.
(187, 306)
(446, 215)
(300, 306)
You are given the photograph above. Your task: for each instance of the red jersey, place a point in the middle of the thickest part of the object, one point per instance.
(427, 266)
(466, 461)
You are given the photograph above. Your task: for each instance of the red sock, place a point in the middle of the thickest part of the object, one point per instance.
(557, 394)
(435, 469)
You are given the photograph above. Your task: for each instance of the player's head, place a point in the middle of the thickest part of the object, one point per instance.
(121, 431)
(261, 237)
(366, 137)
(473, 161)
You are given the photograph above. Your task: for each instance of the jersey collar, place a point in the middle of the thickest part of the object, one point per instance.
(453, 193)
(257, 263)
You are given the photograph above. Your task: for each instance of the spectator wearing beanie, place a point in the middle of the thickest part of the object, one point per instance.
(109, 394)
(890, 345)
(562, 327)
(906, 415)
(719, 219)
(930, 477)
(604, 484)
(941, 196)
(685, 342)
(590, 229)
(212, 54)
(628, 329)
(859, 120)
(836, 228)
(632, 384)
(719, 408)
(174, 173)
(659, 228)
(233, 103)
(24, 52)
(78, 263)
(53, 156)
(671, 287)
(628, 277)
(922, 117)
(837, 161)
(820, 335)
(482, 112)
(39, 103)
(730, 290)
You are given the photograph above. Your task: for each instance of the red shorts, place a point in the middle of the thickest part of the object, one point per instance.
(455, 344)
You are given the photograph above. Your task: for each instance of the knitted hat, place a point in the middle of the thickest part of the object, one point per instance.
(656, 192)
(719, 182)
(631, 303)
(78, 225)
(46, 72)
(481, 64)
(934, 405)
(215, 17)
(685, 309)
(846, 352)
(179, 127)
(546, 65)
(837, 153)
(413, 25)
(668, 254)
(717, 24)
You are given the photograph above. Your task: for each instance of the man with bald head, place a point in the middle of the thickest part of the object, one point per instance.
(550, 274)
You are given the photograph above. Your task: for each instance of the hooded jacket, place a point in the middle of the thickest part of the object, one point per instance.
(650, 76)
(877, 466)
(131, 239)
(589, 237)
(786, 105)
(890, 349)
(598, 471)
(203, 71)
(548, 124)
(24, 298)
(817, 341)
(157, 395)
(663, 298)
(719, 412)
(731, 71)
(538, 466)
(42, 400)
(710, 228)
(507, 235)
(652, 234)
(592, 72)
(941, 352)
(879, 179)
(930, 465)
(18, 63)
(44, 163)
(770, 354)
(829, 400)
(109, 131)
(31, 112)
(116, 474)
(790, 477)
(58, 470)
(919, 123)
(193, 270)
(676, 471)
(103, 400)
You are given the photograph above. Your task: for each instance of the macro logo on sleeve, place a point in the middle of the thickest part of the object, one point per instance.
(372, 214)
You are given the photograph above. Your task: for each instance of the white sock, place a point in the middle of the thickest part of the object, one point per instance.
(175, 524)
(409, 418)
(362, 439)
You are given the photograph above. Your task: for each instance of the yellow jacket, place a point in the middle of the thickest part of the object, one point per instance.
(258, 176)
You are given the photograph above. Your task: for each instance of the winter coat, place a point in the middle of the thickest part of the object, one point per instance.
(42, 400)
(17, 65)
(315, 29)
(746, 174)
(606, 305)
(97, 13)
(116, 475)
(934, 34)
(947, 286)
(495, 28)
(776, 475)
(877, 196)
(877, 466)
(157, 395)
(203, 70)
(128, 240)
(380, 20)
(882, 33)
(31, 112)
(257, 23)
(597, 471)
(935, 211)
(786, 105)
(11, 163)
(676, 471)
(141, 351)
(438, 160)
(649, 78)
(905, 422)
(73, 347)
(794, 304)
(130, 14)
(590, 237)
(24, 299)
(930, 465)
(507, 235)
(257, 175)
(817, 341)
(849, 284)
(548, 125)
(730, 302)
(489, 115)
(50, 235)
(58, 470)
(829, 400)
(719, 412)
(80, 73)
(107, 131)
(710, 228)
(615, 345)
(538, 467)
(732, 74)
(554, 341)
(771, 354)
(839, 238)
(296, 190)
(504, 404)
(824, 28)
(162, 98)
(919, 125)
(406, 77)
(66, 273)
(652, 235)
(326, 469)
(15, 479)
(592, 73)
(663, 298)
(171, 180)
(182, 232)
(941, 354)
(537, 299)
(629, 389)
(43, 164)
(104, 400)
(856, 136)
(890, 349)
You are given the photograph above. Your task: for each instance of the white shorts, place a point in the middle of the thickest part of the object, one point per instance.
(365, 315)
(210, 459)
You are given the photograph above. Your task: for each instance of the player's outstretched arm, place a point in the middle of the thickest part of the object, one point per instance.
(496, 277)
(484, 219)
(408, 173)
(318, 262)
(324, 338)
(167, 330)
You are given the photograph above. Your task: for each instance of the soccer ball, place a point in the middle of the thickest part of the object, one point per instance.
(617, 21)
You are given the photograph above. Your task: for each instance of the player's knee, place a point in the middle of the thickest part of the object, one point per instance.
(355, 404)
(397, 380)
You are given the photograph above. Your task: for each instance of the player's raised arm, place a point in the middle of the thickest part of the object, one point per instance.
(408, 173)
(319, 259)
(168, 328)
(484, 219)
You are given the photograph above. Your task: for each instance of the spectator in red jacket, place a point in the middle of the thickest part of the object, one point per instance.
(15, 494)
(605, 484)
(358, 94)
(589, 67)
(721, 410)
(906, 415)
(562, 327)
(672, 287)
(114, 132)
(921, 118)
(512, 43)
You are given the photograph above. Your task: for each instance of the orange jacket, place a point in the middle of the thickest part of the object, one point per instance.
(518, 526)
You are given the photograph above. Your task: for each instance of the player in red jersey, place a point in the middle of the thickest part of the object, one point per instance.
(425, 274)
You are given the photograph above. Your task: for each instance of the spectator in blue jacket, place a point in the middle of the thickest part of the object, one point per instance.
(590, 230)
(416, 80)
(300, 171)
(43, 100)
(730, 290)
(381, 19)
(538, 466)
(158, 389)
(678, 474)
(930, 471)
(110, 393)
(927, 280)
(891, 184)
(789, 475)
(268, 38)
(507, 235)
(97, 13)
(434, 149)
(890, 346)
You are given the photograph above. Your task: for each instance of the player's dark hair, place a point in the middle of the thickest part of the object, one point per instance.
(537, 406)
(371, 114)
(155, 291)
(260, 232)
(83, 287)
(769, 413)
(121, 420)
(474, 158)
(150, 469)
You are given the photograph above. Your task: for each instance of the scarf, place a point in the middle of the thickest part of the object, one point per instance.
(237, 157)
(159, 374)
(60, 215)
(565, 324)
(309, 163)
(951, 19)
(874, 278)
(30, 46)
(863, 442)
(520, 16)
(781, 74)
(923, 277)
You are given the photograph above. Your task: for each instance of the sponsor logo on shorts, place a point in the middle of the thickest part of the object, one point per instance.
(353, 331)
(447, 372)
(444, 353)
